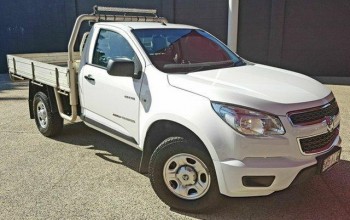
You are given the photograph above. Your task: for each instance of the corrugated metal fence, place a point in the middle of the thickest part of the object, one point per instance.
(311, 36)
(46, 25)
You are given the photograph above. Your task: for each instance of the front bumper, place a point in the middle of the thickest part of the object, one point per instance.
(283, 169)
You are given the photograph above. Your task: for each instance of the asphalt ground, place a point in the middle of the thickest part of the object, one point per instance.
(83, 174)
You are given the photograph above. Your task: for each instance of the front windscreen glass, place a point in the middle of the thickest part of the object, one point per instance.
(185, 50)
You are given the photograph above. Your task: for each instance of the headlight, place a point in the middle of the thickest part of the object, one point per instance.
(249, 122)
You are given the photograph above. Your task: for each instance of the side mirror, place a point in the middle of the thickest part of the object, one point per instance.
(122, 67)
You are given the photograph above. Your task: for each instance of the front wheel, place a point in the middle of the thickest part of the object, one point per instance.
(48, 122)
(183, 176)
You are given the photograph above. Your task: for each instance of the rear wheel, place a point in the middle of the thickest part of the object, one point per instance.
(48, 123)
(183, 176)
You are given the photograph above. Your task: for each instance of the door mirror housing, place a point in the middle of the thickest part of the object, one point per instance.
(123, 67)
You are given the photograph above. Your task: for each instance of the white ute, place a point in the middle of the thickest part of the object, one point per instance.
(209, 123)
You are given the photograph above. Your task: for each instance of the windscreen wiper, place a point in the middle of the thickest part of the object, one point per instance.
(198, 66)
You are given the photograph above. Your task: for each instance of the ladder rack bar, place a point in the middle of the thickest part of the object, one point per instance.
(122, 18)
(124, 10)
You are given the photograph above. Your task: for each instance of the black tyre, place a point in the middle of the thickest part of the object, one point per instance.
(48, 123)
(183, 176)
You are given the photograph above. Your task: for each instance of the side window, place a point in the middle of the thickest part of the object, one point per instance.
(111, 45)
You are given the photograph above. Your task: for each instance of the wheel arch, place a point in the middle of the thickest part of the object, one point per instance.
(161, 129)
(48, 91)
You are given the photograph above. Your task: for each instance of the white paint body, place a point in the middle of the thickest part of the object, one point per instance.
(186, 99)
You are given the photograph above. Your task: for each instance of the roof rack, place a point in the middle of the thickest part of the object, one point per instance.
(98, 9)
(127, 14)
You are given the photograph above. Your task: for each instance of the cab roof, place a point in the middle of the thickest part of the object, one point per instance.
(144, 25)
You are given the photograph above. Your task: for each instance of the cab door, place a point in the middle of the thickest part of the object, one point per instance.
(111, 103)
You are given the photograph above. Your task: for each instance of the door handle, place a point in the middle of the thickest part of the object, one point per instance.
(88, 77)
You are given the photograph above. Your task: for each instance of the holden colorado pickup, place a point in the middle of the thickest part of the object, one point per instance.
(208, 122)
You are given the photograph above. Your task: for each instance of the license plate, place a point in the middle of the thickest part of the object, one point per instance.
(328, 160)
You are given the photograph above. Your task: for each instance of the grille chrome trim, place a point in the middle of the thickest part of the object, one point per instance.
(315, 110)
(334, 135)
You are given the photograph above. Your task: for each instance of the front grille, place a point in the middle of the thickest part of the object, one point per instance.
(314, 115)
(318, 143)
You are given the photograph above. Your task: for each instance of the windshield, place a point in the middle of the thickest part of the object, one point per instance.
(185, 50)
